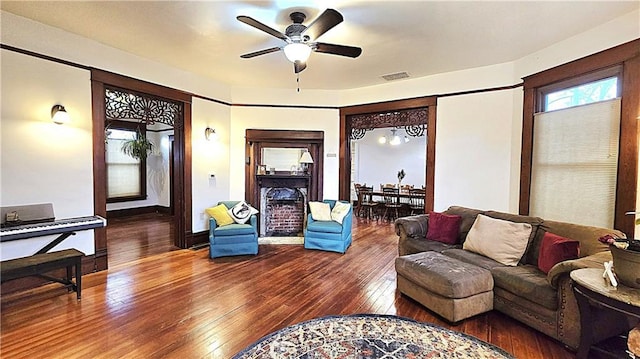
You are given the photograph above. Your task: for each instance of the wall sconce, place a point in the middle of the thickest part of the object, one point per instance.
(59, 115)
(305, 159)
(210, 134)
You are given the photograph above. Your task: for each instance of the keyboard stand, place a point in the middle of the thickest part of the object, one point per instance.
(55, 242)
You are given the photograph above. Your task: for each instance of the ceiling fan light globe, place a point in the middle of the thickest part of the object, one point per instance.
(297, 52)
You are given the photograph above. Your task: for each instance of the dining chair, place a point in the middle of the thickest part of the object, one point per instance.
(391, 201)
(357, 207)
(416, 200)
(366, 203)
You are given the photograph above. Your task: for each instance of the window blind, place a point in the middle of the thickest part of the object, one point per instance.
(575, 164)
(123, 171)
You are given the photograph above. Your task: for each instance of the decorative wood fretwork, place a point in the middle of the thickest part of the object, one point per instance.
(414, 121)
(148, 109)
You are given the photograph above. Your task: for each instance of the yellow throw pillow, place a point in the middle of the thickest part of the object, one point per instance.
(220, 214)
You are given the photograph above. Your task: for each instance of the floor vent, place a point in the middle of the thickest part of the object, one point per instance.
(396, 76)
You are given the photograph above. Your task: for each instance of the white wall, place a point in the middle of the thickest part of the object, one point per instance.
(243, 118)
(474, 151)
(43, 162)
(210, 158)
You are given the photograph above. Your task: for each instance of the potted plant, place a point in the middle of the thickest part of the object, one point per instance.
(139, 147)
(401, 175)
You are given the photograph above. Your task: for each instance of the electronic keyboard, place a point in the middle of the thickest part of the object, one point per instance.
(68, 225)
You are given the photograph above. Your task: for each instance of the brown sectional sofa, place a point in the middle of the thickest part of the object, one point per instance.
(543, 301)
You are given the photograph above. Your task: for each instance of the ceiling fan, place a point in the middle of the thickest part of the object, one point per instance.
(300, 39)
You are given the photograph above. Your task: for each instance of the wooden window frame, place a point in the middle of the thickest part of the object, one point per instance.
(130, 126)
(627, 57)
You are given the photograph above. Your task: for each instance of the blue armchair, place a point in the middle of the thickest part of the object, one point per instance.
(233, 239)
(329, 235)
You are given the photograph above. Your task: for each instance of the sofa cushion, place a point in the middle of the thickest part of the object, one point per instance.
(586, 235)
(416, 245)
(339, 211)
(556, 249)
(528, 282)
(233, 229)
(443, 227)
(320, 211)
(325, 226)
(241, 212)
(220, 214)
(443, 275)
(468, 217)
(535, 223)
(498, 239)
(473, 258)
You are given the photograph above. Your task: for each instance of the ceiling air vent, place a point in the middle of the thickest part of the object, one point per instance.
(396, 76)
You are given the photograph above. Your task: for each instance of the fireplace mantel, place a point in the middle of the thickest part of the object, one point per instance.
(312, 141)
(283, 180)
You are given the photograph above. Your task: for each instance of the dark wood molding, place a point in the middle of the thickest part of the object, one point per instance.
(128, 212)
(626, 189)
(130, 83)
(200, 238)
(344, 172)
(181, 155)
(431, 159)
(610, 57)
(628, 57)
(99, 170)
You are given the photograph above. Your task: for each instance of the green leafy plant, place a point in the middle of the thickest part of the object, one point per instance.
(138, 148)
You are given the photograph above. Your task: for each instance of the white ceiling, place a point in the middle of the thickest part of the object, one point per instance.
(419, 37)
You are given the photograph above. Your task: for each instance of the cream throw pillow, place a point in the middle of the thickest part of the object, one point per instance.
(320, 211)
(339, 211)
(503, 241)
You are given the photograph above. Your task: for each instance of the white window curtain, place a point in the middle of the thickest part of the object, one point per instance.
(575, 164)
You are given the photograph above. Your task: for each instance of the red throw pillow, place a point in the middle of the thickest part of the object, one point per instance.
(555, 249)
(443, 227)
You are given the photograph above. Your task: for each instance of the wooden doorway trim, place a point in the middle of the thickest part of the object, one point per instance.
(181, 162)
(345, 144)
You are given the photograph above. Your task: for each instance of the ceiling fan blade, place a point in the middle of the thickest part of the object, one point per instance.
(261, 52)
(260, 26)
(323, 23)
(298, 66)
(342, 50)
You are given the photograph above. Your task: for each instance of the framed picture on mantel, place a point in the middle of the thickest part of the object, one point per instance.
(262, 170)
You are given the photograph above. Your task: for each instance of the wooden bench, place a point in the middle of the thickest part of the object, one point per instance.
(39, 264)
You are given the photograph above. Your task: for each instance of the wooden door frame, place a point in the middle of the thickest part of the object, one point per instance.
(181, 161)
(429, 102)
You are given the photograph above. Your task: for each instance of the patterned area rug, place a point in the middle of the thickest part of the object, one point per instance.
(368, 336)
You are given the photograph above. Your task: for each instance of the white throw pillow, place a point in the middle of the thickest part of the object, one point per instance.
(339, 211)
(241, 212)
(503, 241)
(320, 211)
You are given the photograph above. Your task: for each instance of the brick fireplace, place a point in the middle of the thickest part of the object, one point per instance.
(284, 211)
(283, 203)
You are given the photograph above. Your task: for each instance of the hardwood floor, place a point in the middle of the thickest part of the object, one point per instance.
(136, 237)
(181, 304)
